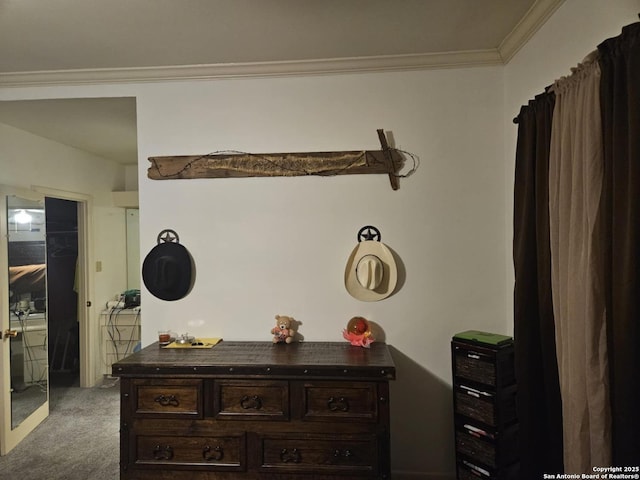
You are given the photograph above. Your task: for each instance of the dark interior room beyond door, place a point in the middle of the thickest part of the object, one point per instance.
(62, 264)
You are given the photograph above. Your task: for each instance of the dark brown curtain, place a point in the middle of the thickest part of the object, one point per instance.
(538, 399)
(620, 104)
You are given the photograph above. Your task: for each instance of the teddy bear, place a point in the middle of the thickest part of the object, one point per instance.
(283, 331)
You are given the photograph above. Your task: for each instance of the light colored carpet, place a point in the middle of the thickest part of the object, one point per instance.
(78, 441)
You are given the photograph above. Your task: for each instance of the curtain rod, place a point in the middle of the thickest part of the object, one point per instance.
(547, 89)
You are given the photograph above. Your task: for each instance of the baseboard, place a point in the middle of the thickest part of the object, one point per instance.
(399, 475)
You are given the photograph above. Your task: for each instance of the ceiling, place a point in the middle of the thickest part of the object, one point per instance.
(105, 127)
(70, 42)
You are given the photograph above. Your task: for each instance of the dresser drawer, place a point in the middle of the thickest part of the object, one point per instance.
(212, 452)
(489, 448)
(168, 398)
(319, 454)
(251, 400)
(487, 407)
(353, 401)
(484, 366)
(468, 470)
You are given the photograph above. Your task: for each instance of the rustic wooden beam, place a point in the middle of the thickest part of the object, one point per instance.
(238, 164)
(388, 159)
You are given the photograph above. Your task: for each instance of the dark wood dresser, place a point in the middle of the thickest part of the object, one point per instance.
(256, 410)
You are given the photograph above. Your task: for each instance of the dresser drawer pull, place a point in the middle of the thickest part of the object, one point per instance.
(254, 402)
(163, 453)
(342, 453)
(165, 401)
(340, 404)
(212, 454)
(287, 456)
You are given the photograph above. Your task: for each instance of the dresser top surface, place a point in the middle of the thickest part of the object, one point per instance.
(305, 359)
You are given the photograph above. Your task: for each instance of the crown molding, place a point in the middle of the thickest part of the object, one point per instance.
(537, 15)
(257, 69)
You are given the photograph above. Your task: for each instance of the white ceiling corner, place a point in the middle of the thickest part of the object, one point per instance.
(72, 42)
(537, 15)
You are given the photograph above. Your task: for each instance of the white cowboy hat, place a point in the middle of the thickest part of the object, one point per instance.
(371, 273)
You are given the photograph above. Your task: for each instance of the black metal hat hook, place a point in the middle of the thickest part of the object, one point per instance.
(168, 236)
(369, 232)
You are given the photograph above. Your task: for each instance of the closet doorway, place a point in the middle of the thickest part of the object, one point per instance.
(63, 287)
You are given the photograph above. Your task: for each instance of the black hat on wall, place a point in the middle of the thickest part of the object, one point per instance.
(168, 269)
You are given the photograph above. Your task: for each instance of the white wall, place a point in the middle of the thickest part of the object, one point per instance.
(131, 178)
(28, 160)
(267, 246)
